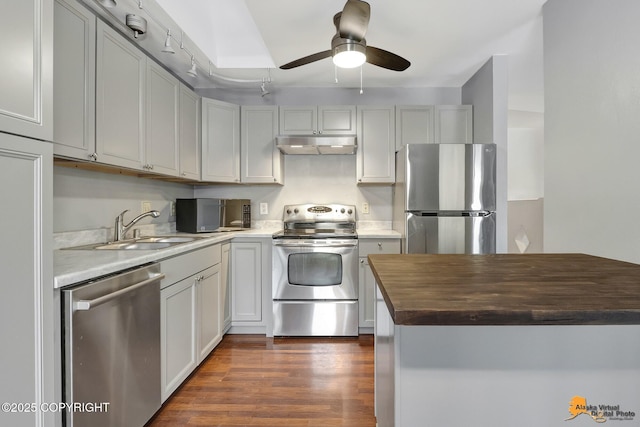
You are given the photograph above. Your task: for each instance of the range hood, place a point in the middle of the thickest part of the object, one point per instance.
(317, 144)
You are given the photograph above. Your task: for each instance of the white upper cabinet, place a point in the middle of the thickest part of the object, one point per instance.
(262, 162)
(120, 86)
(26, 68)
(74, 69)
(220, 141)
(189, 134)
(314, 120)
(429, 124)
(161, 118)
(414, 125)
(453, 124)
(375, 157)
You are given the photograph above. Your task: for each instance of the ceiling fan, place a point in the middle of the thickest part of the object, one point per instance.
(348, 47)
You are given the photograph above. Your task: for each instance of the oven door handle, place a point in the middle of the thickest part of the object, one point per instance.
(314, 245)
(82, 305)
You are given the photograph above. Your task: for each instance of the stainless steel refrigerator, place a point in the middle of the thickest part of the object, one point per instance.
(444, 199)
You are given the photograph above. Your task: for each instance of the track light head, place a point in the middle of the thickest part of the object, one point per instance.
(193, 72)
(263, 90)
(167, 44)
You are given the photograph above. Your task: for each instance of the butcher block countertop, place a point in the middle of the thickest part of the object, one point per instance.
(508, 289)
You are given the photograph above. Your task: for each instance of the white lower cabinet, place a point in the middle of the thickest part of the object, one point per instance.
(191, 313)
(250, 270)
(225, 286)
(366, 281)
(246, 276)
(209, 311)
(178, 329)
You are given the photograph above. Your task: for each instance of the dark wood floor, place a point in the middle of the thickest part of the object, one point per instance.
(251, 380)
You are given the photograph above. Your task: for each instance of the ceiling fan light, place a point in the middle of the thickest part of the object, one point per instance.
(349, 55)
(349, 59)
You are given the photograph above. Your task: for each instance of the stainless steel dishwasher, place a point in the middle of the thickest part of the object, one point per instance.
(112, 349)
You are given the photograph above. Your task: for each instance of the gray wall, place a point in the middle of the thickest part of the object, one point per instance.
(486, 90)
(84, 200)
(526, 180)
(336, 96)
(592, 127)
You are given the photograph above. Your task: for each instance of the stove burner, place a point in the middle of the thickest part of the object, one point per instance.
(318, 221)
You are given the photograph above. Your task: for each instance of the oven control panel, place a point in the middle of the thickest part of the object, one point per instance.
(319, 213)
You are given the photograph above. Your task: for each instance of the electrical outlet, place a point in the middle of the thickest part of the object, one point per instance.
(264, 208)
(146, 207)
(172, 208)
(365, 208)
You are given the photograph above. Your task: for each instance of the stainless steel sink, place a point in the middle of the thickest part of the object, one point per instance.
(142, 243)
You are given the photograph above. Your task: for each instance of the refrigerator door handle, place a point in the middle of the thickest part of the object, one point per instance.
(453, 213)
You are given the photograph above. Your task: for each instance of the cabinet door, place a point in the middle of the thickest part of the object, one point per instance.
(178, 334)
(27, 303)
(246, 282)
(375, 157)
(367, 295)
(189, 134)
(298, 120)
(367, 282)
(26, 68)
(120, 76)
(74, 91)
(209, 324)
(337, 120)
(414, 125)
(262, 162)
(220, 141)
(225, 287)
(454, 124)
(161, 118)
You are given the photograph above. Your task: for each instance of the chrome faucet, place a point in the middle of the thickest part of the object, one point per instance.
(121, 229)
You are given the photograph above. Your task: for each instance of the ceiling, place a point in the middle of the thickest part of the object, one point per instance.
(445, 41)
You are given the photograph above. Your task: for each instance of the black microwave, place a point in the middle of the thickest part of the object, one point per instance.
(208, 215)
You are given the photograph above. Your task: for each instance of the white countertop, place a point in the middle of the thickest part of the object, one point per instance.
(378, 234)
(74, 266)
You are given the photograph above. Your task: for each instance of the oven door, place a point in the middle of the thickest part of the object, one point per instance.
(315, 269)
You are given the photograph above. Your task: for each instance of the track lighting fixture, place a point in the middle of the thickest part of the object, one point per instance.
(192, 71)
(137, 23)
(263, 89)
(108, 3)
(167, 44)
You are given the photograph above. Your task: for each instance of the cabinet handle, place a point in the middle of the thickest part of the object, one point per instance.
(362, 261)
(184, 174)
(380, 245)
(93, 157)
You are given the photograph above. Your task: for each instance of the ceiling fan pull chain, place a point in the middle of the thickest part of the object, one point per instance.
(361, 80)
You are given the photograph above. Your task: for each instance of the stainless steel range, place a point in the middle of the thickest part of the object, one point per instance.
(315, 272)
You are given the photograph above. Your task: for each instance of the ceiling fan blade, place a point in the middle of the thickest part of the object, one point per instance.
(354, 20)
(386, 59)
(306, 60)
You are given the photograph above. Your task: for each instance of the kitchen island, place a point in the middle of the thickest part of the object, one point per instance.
(504, 340)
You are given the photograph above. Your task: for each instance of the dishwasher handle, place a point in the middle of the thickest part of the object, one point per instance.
(82, 305)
